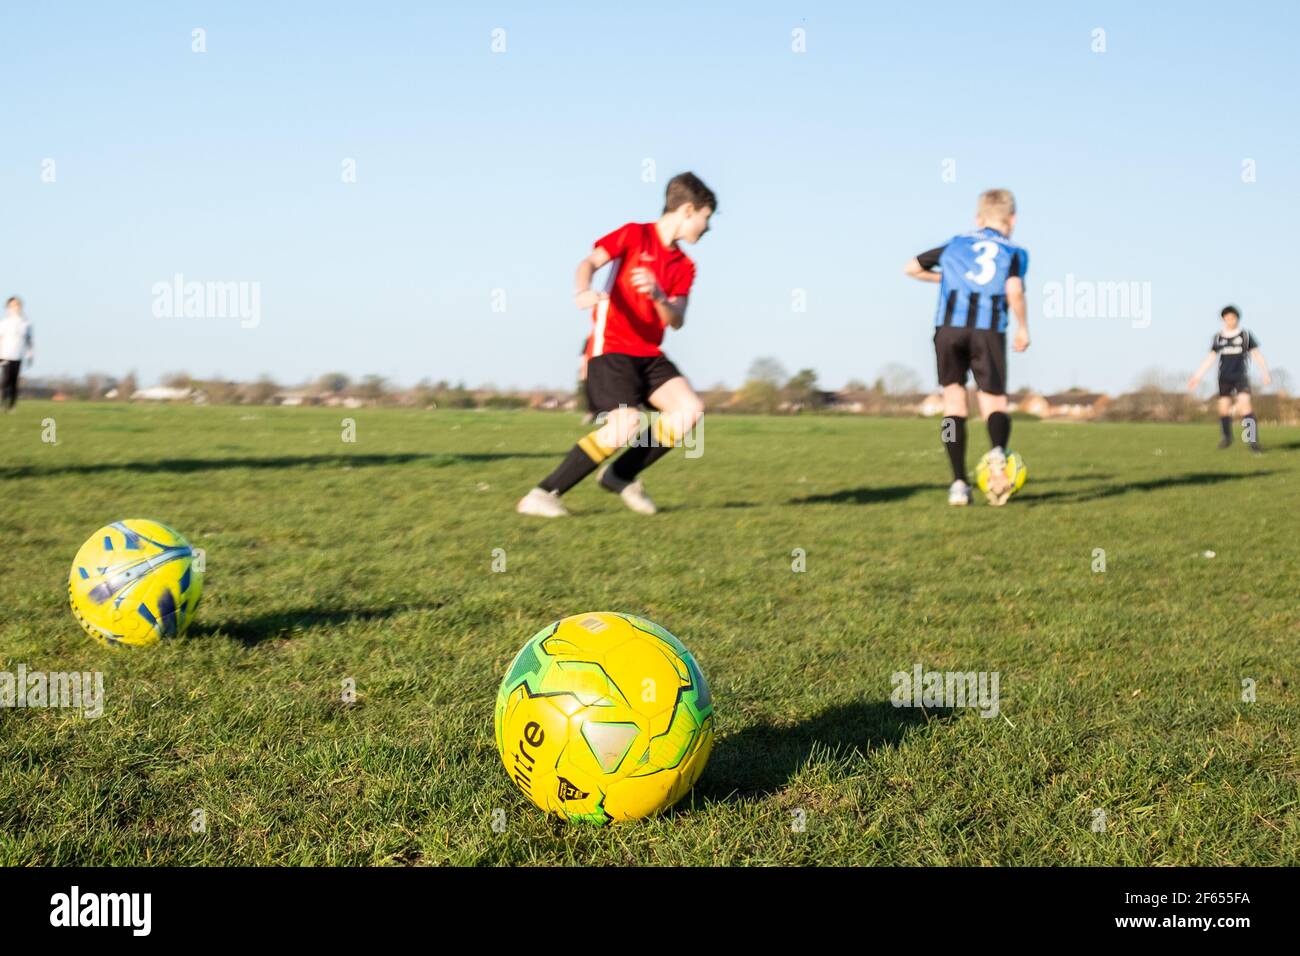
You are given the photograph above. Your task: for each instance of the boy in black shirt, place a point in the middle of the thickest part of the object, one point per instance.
(1234, 347)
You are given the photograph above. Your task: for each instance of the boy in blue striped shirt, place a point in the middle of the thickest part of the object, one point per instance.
(981, 281)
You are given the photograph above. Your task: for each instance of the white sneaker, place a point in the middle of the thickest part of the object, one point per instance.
(999, 484)
(632, 492)
(959, 494)
(542, 504)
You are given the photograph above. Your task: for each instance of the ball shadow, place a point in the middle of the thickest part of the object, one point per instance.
(287, 623)
(761, 760)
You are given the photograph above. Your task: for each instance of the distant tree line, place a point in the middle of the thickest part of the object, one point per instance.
(768, 388)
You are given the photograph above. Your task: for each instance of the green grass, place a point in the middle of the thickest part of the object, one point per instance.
(1120, 691)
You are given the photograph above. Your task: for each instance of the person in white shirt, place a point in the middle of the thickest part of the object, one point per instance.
(15, 345)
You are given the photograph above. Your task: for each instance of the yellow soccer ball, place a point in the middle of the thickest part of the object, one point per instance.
(135, 582)
(1016, 471)
(604, 716)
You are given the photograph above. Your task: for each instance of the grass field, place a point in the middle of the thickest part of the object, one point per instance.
(1121, 691)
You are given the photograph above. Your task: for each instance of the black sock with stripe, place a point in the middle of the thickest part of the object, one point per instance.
(583, 458)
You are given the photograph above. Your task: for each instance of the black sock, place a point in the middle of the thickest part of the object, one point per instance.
(953, 436)
(576, 466)
(1225, 425)
(583, 458)
(999, 430)
(1250, 428)
(638, 458)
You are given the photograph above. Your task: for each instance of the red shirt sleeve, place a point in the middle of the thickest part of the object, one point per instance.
(680, 278)
(615, 244)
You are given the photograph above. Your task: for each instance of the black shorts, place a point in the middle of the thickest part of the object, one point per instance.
(982, 351)
(1229, 387)
(614, 380)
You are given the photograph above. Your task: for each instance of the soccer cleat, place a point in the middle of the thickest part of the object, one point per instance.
(1225, 442)
(542, 504)
(959, 494)
(632, 492)
(1254, 446)
(999, 489)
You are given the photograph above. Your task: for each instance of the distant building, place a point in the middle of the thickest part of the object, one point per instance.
(1075, 405)
(930, 405)
(857, 401)
(553, 401)
(1153, 405)
(165, 393)
(812, 401)
(296, 397)
(1028, 403)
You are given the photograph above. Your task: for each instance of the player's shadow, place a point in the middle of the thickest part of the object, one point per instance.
(190, 465)
(865, 496)
(287, 623)
(1154, 484)
(761, 760)
(725, 506)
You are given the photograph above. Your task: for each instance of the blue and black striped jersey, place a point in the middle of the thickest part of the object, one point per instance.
(976, 266)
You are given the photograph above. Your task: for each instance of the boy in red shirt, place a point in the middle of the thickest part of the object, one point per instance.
(649, 283)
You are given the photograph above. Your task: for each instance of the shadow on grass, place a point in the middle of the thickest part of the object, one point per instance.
(871, 496)
(725, 506)
(867, 496)
(1155, 484)
(1082, 476)
(188, 465)
(759, 761)
(280, 624)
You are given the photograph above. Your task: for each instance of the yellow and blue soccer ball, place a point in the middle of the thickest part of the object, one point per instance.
(135, 582)
(1016, 472)
(604, 716)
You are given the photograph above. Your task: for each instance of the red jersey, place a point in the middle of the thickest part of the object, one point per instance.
(627, 323)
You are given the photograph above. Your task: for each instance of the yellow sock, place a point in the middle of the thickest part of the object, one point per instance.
(593, 448)
(665, 435)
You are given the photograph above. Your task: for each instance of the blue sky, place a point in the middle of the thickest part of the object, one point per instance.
(478, 171)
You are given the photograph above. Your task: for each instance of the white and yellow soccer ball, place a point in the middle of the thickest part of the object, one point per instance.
(1016, 473)
(602, 717)
(135, 582)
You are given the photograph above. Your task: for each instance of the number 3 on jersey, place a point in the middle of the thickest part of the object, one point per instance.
(986, 260)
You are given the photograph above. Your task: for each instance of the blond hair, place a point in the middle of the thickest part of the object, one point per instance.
(995, 207)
